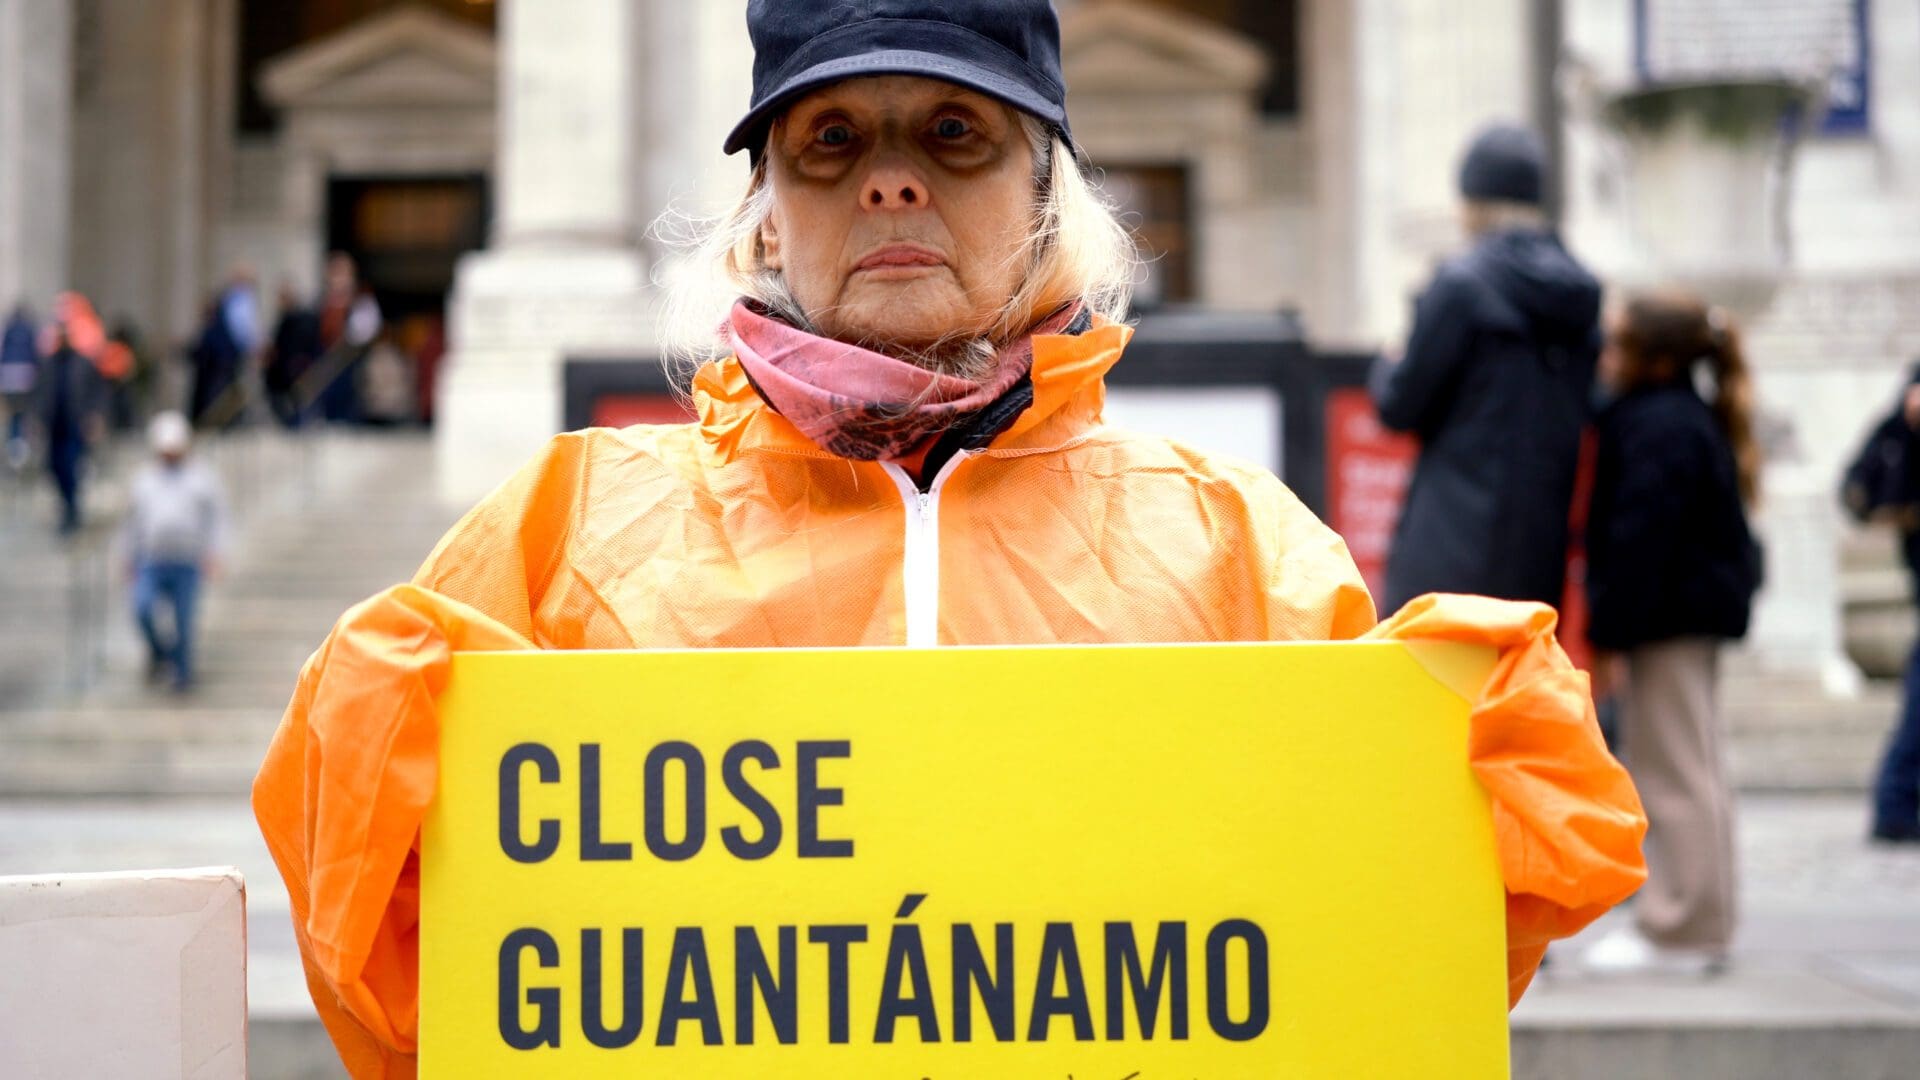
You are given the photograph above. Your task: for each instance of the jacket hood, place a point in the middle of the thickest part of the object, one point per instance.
(1534, 272)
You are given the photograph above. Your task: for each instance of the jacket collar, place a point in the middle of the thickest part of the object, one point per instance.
(1069, 392)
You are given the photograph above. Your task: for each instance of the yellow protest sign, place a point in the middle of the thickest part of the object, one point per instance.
(1188, 861)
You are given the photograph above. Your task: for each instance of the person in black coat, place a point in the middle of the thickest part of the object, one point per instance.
(295, 350)
(70, 406)
(1883, 485)
(1672, 567)
(1497, 383)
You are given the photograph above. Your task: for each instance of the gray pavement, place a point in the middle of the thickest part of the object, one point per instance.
(1824, 981)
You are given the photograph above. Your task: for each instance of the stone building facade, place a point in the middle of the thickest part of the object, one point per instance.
(1280, 154)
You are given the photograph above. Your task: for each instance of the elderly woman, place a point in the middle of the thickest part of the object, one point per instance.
(900, 443)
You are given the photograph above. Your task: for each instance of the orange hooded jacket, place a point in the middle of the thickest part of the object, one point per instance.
(737, 532)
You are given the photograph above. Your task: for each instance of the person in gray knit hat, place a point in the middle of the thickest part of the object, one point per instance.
(1496, 381)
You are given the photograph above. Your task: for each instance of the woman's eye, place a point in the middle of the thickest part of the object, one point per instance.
(952, 127)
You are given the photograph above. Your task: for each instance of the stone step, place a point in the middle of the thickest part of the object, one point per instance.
(1784, 1051)
(293, 1046)
(1870, 712)
(94, 774)
(290, 1046)
(1808, 766)
(133, 726)
(262, 699)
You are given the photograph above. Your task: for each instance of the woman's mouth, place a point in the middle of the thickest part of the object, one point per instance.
(900, 257)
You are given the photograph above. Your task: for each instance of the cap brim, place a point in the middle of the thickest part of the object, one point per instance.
(750, 132)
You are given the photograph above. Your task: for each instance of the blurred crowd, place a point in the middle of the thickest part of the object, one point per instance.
(69, 381)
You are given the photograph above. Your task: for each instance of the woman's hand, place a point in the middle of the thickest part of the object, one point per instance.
(1566, 819)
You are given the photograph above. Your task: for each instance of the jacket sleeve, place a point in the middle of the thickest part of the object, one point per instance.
(340, 798)
(1314, 590)
(1567, 821)
(1409, 393)
(354, 765)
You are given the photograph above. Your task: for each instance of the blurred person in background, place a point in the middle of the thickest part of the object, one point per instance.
(175, 533)
(922, 299)
(229, 338)
(428, 346)
(1672, 570)
(291, 359)
(19, 370)
(1496, 382)
(137, 387)
(1882, 486)
(350, 321)
(71, 399)
(389, 390)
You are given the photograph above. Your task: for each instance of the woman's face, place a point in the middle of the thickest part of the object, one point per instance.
(901, 208)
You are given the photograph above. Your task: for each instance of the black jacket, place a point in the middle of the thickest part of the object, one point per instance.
(1496, 382)
(1669, 551)
(1884, 482)
(69, 395)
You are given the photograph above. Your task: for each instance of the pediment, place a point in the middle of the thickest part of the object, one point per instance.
(1134, 47)
(411, 56)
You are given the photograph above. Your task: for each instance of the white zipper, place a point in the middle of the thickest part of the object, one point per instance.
(920, 568)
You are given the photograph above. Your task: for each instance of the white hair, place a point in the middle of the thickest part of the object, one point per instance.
(1076, 250)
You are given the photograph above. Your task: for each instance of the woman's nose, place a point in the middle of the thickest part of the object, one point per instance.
(894, 187)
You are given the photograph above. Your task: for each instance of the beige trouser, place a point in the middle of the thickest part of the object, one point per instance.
(1671, 727)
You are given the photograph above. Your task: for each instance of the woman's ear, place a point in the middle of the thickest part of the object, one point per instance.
(770, 242)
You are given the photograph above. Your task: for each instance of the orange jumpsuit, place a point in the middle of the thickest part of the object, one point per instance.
(736, 531)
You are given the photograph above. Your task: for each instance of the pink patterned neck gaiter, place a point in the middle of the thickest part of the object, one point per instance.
(857, 403)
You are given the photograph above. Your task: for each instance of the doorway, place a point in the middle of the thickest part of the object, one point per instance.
(407, 235)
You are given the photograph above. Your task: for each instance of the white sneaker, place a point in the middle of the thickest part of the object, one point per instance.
(1626, 951)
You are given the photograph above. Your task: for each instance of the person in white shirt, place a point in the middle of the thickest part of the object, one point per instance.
(175, 534)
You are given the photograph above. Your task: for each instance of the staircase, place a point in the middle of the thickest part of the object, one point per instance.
(322, 521)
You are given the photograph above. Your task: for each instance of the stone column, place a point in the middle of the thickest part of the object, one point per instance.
(564, 277)
(36, 126)
(610, 110)
(566, 123)
(141, 130)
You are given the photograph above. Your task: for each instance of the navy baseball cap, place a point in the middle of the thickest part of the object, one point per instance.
(1005, 49)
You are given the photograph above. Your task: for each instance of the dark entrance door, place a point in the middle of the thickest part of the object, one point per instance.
(406, 235)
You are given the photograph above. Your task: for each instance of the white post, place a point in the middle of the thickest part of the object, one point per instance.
(130, 974)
